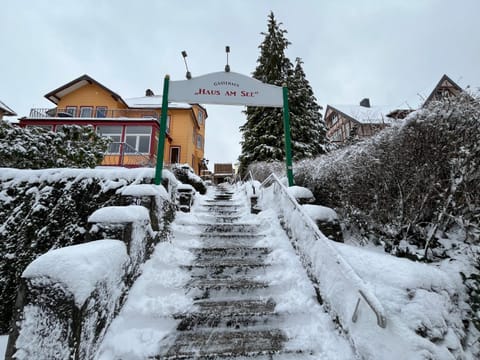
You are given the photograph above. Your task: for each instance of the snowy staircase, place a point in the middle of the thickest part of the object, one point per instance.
(233, 315)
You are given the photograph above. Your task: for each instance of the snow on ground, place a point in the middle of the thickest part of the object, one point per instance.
(307, 324)
(419, 300)
(159, 293)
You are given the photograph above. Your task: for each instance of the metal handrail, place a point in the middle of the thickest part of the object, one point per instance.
(126, 149)
(363, 291)
(250, 175)
(97, 113)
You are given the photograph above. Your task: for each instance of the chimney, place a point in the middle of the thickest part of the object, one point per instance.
(365, 102)
(149, 92)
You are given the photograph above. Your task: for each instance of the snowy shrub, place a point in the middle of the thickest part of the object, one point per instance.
(262, 169)
(42, 210)
(185, 174)
(413, 189)
(36, 148)
(409, 184)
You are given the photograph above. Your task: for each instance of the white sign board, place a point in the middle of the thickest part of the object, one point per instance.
(227, 88)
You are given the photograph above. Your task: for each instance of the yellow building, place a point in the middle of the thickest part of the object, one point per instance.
(132, 124)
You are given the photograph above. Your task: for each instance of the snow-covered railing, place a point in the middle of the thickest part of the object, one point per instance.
(325, 262)
(252, 192)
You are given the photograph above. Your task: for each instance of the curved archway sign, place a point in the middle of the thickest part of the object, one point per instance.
(225, 88)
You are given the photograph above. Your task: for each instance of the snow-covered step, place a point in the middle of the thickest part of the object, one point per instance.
(233, 272)
(219, 284)
(239, 307)
(225, 344)
(231, 252)
(235, 227)
(229, 241)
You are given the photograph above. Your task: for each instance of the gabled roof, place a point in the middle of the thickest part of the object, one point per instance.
(365, 115)
(445, 82)
(55, 95)
(6, 110)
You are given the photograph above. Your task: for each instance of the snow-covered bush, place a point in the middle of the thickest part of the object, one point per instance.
(36, 148)
(42, 210)
(262, 169)
(71, 295)
(185, 174)
(413, 182)
(413, 189)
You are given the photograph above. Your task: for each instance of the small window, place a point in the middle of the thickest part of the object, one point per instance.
(169, 120)
(199, 142)
(71, 110)
(101, 112)
(334, 119)
(200, 117)
(174, 155)
(86, 111)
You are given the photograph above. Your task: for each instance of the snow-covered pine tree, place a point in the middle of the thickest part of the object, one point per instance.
(308, 130)
(262, 134)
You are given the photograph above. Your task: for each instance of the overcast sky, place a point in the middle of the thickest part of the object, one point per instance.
(391, 51)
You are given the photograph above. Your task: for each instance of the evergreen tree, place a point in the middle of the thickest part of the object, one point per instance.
(308, 130)
(263, 133)
(263, 136)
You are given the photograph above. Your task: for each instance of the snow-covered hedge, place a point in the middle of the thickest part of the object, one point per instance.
(70, 295)
(413, 189)
(36, 148)
(185, 174)
(410, 182)
(41, 210)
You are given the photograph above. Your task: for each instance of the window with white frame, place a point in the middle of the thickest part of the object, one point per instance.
(71, 110)
(138, 139)
(115, 134)
(86, 111)
(101, 112)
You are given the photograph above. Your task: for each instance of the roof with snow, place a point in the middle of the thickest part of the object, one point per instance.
(154, 101)
(367, 115)
(6, 110)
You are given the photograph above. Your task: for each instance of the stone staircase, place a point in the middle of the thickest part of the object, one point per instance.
(233, 316)
(252, 298)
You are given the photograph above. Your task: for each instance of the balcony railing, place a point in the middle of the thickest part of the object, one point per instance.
(89, 113)
(123, 154)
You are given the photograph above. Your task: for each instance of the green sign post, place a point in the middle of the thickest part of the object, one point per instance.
(288, 141)
(163, 130)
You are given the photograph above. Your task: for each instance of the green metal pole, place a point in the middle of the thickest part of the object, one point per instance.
(288, 141)
(163, 130)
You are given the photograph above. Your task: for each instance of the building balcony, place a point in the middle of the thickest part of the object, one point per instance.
(91, 113)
